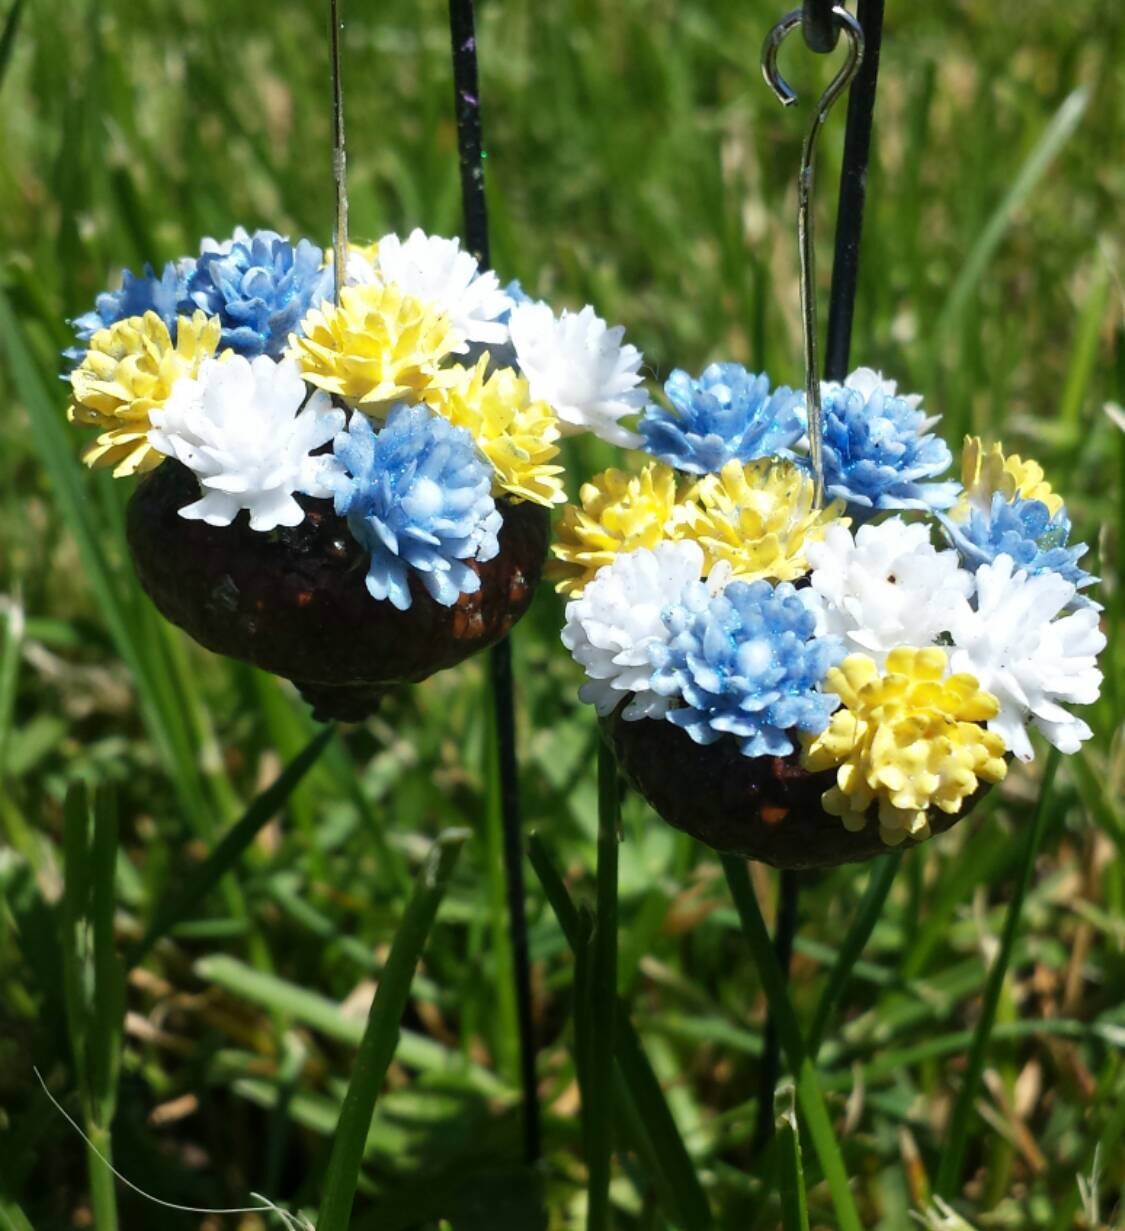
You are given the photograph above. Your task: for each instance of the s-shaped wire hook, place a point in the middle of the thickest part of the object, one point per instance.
(787, 96)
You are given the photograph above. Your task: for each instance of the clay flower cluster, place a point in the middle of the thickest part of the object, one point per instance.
(906, 636)
(417, 401)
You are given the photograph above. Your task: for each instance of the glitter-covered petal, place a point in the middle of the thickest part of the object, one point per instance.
(746, 662)
(878, 450)
(417, 496)
(726, 414)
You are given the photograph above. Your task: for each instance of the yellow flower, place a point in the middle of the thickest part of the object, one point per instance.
(375, 348)
(757, 518)
(985, 473)
(910, 739)
(618, 512)
(516, 434)
(128, 372)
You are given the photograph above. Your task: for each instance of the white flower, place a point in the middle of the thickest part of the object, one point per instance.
(437, 272)
(1027, 658)
(237, 427)
(888, 586)
(610, 627)
(579, 367)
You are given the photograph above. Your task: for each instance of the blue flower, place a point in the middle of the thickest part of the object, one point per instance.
(877, 451)
(1024, 530)
(418, 496)
(746, 663)
(138, 294)
(728, 413)
(260, 286)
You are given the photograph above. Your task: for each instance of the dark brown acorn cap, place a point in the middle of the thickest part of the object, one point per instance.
(767, 808)
(293, 601)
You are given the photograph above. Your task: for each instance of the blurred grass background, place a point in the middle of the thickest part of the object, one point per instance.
(635, 160)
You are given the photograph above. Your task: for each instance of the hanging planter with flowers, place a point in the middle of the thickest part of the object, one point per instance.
(348, 491)
(806, 643)
(810, 685)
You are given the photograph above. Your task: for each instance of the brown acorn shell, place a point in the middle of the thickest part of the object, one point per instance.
(293, 601)
(766, 808)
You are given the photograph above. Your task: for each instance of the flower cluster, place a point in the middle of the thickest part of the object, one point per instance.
(708, 590)
(906, 739)
(746, 662)
(421, 399)
(728, 414)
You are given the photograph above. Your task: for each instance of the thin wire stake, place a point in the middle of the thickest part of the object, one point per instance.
(339, 153)
(812, 18)
(805, 239)
(471, 151)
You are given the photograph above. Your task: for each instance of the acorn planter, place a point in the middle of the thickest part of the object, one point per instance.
(347, 483)
(766, 808)
(293, 601)
(808, 683)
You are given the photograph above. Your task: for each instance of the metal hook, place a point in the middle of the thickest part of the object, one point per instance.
(339, 154)
(787, 96)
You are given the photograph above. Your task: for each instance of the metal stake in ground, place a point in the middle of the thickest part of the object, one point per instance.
(814, 18)
(467, 101)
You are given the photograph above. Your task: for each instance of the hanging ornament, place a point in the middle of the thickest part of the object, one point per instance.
(347, 459)
(804, 641)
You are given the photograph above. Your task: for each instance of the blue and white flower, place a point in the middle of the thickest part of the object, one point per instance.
(749, 663)
(1025, 530)
(610, 628)
(245, 429)
(878, 450)
(260, 286)
(727, 413)
(418, 496)
(138, 294)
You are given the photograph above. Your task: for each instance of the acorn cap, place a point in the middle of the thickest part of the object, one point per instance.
(293, 601)
(766, 808)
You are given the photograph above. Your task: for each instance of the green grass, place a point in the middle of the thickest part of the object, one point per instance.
(635, 159)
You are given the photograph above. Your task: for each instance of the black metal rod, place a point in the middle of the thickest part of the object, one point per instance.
(818, 25)
(853, 193)
(470, 149)
(784, 934)
(841, 312)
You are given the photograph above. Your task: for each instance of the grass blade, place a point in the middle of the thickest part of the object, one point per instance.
(381, 1036)
(232, 846)
(15, 623)
(72, 914)
(953, 1156)
(55, 450)
(8, 37)
(675, 1176)
(791, 1175)
(109, 982)
(12, 1218)
(809, 1096)
(598, 1110)
(870, 908)
(1054, 137)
